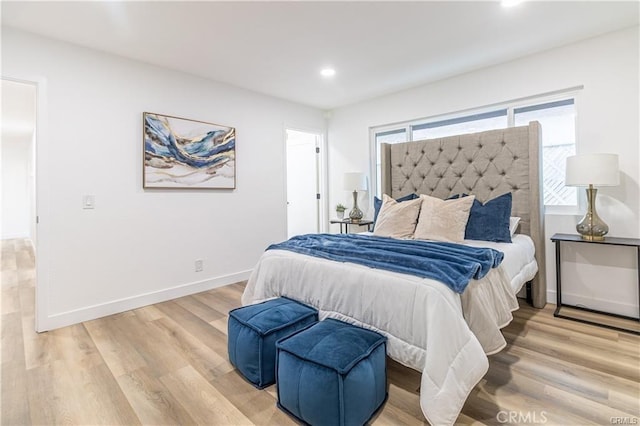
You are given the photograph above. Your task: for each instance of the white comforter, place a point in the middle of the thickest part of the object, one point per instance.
(422, 318)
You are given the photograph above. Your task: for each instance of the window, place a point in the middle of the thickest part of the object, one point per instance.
(558, 143)
(461, 125)
(558, 120)
(388, 136)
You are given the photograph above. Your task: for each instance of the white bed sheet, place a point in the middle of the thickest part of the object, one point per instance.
(414, 313)
(519, 258)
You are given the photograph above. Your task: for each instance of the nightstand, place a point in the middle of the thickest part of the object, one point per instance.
(347, 222)
(608, 241)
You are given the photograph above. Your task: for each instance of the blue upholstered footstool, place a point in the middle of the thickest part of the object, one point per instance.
(254, 330)
(332, 373)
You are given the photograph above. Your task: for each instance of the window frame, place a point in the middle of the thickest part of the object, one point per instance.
(373, 151)
(560, 95)
(575, 95)
(467, 118)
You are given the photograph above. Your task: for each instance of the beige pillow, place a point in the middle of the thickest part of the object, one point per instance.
(443, 220)
(397, 220)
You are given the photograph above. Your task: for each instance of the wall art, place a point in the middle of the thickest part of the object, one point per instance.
(182, 153)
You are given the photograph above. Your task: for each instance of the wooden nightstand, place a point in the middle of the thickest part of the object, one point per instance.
(347, 222)
(608, 241)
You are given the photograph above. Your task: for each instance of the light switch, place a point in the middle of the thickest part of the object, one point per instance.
(88, 202)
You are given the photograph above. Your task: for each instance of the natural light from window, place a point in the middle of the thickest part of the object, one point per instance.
(470, 124)
(558, 121)
(558, 142)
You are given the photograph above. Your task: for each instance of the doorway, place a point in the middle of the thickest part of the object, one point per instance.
(18, 177)
(304, 183)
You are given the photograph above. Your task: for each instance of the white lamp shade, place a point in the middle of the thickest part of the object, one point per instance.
(592, 169)
(355, 182)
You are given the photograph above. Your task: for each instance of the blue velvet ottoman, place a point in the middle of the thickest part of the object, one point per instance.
(332, 373)
(254, 330)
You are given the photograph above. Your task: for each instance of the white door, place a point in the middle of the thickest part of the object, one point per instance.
(303, 203)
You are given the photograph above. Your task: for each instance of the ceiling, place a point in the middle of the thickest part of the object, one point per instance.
(278, 48)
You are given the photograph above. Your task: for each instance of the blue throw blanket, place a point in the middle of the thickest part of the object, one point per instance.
(453, 264)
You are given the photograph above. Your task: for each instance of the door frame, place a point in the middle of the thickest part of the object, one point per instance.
(321, 174)
(41, 247)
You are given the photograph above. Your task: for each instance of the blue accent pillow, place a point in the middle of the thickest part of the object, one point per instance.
(377, 204)
(490, 221)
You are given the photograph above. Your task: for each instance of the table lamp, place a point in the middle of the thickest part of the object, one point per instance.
(355, 182)
(591, 170)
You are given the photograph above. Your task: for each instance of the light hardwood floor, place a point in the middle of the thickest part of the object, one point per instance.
(167, 364)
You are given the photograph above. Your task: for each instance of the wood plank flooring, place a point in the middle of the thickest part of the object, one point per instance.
(167, 364)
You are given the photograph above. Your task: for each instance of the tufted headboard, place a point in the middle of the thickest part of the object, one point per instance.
(486, 164)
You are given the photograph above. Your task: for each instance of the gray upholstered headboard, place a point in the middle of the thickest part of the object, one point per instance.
(486, 164)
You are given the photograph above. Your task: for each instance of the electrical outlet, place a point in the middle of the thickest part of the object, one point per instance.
(88, 202)
(199, 265)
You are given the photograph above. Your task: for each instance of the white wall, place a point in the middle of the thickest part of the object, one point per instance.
(139, 246)
(608, 113)
(16, 193)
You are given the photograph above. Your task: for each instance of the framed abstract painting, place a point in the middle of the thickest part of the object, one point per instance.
(182, 153)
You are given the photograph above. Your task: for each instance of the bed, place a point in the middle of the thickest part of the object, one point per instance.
(445, 335)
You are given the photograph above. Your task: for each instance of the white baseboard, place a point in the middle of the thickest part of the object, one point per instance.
(104, 309)
(614, 307)
(14, 236)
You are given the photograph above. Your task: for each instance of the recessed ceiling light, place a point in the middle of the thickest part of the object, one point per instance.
(328, 72)
(510, 3)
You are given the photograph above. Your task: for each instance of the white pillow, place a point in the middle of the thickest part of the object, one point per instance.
(513, 224)
(397, 220)
(443, 220)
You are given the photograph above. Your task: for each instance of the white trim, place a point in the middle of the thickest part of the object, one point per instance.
(511, 117)
(373, 166)
(13, 236)
(88, 313)
(323, 183)
(284, 182)
(628, 309)
(557, 95)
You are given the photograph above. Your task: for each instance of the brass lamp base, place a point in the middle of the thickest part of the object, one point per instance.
(591, 227)
(355, 214)
(592, 237)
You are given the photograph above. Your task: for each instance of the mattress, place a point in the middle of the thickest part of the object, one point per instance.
(519, 261)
